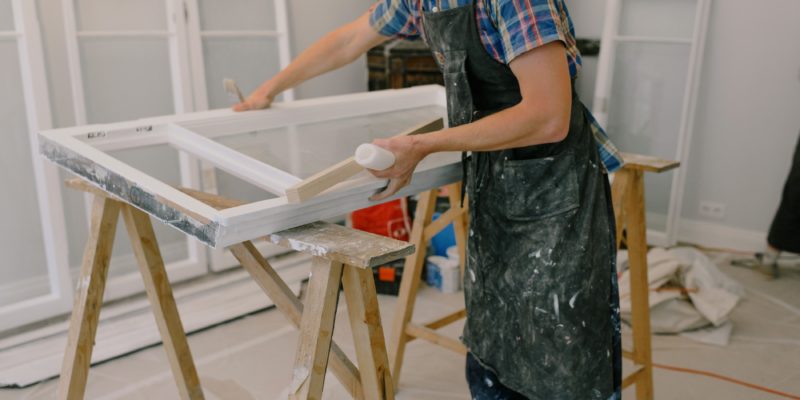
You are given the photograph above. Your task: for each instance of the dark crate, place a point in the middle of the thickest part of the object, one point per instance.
(402, 63)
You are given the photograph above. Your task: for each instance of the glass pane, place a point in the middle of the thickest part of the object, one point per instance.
(237, 15)
(24, 265)
(645, 111)
(304, 150)
(662, 18)
(6, 16)
(249, 61)
(112, 15)
(126, 78)
(162, 163)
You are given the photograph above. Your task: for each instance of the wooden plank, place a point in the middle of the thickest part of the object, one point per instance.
(618, 189)
(633, 378)
(316, 330)
(447, 319)
(349, 246)
(335, 242)
(285, 300)
(429, 335)
(640, 303)
(159, 292)
(412, 273)
(83, 185)
(329, 177)
(86, 311)
(365, 321)
(460, 225)
(641, 162)
(450, 216)
(213, 200)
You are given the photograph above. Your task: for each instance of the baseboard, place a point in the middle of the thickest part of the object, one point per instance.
(720, 236)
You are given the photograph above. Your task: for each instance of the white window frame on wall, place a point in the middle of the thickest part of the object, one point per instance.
(81, 150)
(196, 262)
(605, 74)
(222, 259)
(48, 194)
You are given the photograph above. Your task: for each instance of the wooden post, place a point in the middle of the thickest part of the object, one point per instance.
(627, 194)
(316, 330)
(159, 292)
(412, 273)
(640, 296)
(365, 321)
(86, 311)
(285, 300)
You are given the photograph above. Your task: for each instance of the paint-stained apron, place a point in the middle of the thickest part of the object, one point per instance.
(540, 284)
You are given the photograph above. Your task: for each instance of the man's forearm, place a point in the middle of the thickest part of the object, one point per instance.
(514, 127)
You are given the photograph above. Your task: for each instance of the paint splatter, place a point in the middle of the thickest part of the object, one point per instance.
(555, 306)
(572, 300)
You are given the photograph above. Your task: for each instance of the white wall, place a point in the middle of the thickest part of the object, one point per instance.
(748, 115)
(311, 19)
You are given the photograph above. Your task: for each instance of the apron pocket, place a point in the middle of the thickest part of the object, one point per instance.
(540, 187)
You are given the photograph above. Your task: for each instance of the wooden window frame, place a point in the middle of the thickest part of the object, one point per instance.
(81, 150)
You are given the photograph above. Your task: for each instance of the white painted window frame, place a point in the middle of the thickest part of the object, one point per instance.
(178, 43)
(605, 73)
(220, 259)
(81, 150)
(37, 106)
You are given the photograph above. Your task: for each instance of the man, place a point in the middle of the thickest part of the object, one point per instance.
(540, 288)
(784, 232)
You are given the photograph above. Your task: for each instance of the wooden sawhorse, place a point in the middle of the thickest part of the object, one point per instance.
(629, 212)
(627, 194)
(340, 255)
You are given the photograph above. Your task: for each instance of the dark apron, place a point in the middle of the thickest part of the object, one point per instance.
(540, 284)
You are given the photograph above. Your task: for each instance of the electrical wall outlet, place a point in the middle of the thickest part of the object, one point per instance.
(712, 209)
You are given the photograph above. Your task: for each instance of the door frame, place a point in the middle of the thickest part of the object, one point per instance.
(27, 35)
(605, 74)
(178, 44)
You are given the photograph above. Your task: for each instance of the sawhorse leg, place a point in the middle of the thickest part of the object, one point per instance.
(316, 330)
(403, 330)
(629, 206)
(91, 285)
(314, 320)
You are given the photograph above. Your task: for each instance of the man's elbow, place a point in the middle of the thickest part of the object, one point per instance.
(556, 129)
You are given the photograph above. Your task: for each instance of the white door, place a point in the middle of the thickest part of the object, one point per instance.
(647, 80)
(35, 280)
(129, 59)
(244, 40)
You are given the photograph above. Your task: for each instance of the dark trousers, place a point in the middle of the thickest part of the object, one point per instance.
(784, 234)
(484, 385)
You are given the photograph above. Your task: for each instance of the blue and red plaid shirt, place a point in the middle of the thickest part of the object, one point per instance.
(508, 28)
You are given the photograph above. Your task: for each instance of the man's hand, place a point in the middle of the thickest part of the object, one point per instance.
(407, 154)
(255, 101)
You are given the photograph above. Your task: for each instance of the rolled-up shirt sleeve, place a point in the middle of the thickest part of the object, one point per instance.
(393, 18)
(527, 24)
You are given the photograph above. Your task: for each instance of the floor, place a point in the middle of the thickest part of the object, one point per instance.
(250, 358)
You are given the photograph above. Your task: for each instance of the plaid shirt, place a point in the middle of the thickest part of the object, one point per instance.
(508, 28)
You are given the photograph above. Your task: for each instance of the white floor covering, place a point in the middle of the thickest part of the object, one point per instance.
(251, 358)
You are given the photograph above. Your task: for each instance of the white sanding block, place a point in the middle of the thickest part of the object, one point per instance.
(374, 157)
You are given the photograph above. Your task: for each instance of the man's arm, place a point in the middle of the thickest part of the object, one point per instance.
(543, 116)
(334, 50)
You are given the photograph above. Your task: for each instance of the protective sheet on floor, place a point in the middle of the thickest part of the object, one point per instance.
(688, 294)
